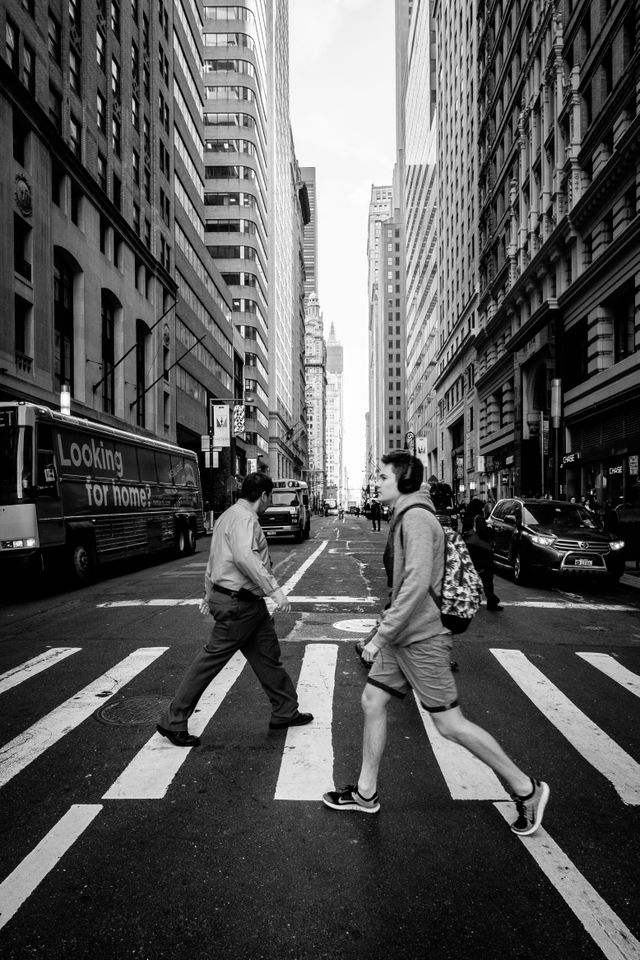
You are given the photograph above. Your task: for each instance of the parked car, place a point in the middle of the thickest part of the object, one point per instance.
(553, 537)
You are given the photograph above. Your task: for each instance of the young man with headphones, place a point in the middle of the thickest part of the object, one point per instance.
(411, 649)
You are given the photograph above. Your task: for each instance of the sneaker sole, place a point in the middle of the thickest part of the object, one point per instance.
(544, 799)
(356, 807)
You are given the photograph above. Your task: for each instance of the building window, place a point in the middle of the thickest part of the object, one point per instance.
(21, 132)
(11, 40)
(75, 135)
(143, 338)
(622, 306)
(116, 136)
(102, 172)
(147, 184)
(108, 333)
(100, 51)
(21, 247)
(54, 36)
(135, 113)
(55, 108)
(136, 218)
(29, 68)
(117, 194)
(63, 323)
(29, 6)
(74, 71)
(136, 167)
(115, 17)
(115, 79)
(101, 112)
(74, 15)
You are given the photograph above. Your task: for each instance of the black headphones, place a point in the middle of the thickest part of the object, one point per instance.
(412, 477)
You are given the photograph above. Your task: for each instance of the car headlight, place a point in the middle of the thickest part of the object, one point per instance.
(542, 541)
(617, 544)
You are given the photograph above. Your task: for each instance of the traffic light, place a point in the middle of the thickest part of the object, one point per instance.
(238, 419)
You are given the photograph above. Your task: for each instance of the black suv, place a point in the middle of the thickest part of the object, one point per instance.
(554, 537)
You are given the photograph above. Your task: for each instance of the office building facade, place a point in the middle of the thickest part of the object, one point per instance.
(311, 277)
(334, 418)
(316, 397)
(107, 277)
(559, 248)
(379, 290)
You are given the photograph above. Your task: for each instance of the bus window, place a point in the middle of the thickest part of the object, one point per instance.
(147, 465)
(26, 479)
(45, 467)
(165, 469)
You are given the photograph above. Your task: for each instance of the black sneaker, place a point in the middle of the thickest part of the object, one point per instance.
(351, 799)
(531, 809)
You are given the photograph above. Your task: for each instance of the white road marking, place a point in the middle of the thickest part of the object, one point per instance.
(195, 602)
(604, 926)
(34, 666)
(355, 626)
(306, 771)
(589, 740)
(21, 883)
(565, 605)
(150, 773)
(608, 665)
(302, 569)
(20, 752)
(466, 777)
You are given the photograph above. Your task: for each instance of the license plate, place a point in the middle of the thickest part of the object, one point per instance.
(584, 563)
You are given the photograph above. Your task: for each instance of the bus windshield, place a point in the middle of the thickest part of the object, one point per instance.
(285, 498)
(15, 462)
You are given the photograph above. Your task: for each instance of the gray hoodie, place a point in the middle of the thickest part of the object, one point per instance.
(417, 541)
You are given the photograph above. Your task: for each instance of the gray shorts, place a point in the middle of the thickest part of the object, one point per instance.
(424, 666)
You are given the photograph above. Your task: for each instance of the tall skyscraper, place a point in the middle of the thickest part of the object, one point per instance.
(334, 418)
(316, 396)
(456, 46)
(311, 282)
(417, 135)
(106, 276)
(382, 298)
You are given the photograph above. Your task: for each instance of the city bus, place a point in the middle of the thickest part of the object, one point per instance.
(83, 493)
(289, 514)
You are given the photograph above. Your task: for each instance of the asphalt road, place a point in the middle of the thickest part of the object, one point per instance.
(115, 845)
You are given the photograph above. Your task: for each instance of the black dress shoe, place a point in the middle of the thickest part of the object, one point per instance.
(298, 721)
(179, 738)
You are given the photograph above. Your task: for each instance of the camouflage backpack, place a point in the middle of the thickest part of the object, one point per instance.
(461, 590)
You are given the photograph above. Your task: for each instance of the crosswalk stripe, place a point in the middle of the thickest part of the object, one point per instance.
(306, 771)
(589, 740)
(20, 752)
(21, 883)
(467, 777)
(609, 666)
(195, 601)
(612, 936)
(34, 666)
(150, 773)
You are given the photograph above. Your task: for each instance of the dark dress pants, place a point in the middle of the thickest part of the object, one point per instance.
(483, 562)
(242, 626)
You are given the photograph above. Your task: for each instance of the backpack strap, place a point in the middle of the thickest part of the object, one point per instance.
(423, 506)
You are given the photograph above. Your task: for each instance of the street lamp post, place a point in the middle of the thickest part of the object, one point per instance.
(556, 419)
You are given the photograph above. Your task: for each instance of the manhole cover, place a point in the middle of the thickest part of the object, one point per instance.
(355, 626)
(132, 711)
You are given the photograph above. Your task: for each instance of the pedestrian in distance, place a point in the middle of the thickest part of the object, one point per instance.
(376, 513)
(236, 581)
(411, 650)
(478, 536)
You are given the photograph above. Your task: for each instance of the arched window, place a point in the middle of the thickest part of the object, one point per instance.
(109, 304)
(143, 340)
(64, 271)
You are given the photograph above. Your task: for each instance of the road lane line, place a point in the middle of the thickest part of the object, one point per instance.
(306, 770)
(20, 752)
(566, 605)
(603, 925)
(21, 883)
(150, 773)
(608, 665)
(34, 666)
(302, 569)
(466, 777)
(603, 753)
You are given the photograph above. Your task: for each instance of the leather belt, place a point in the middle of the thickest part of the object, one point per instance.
(246, 595)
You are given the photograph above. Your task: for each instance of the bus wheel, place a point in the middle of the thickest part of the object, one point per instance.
(191, 540)
(82, 565)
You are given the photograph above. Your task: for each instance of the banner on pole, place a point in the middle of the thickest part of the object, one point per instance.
(421, 450)
(221, 428)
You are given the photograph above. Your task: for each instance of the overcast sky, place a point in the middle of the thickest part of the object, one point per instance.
(342, 79)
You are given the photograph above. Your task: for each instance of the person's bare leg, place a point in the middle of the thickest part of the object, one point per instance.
(453, 725)
(374, 737)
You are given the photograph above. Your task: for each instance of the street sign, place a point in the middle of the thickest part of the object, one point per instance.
(221, 425)
(207, 460)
